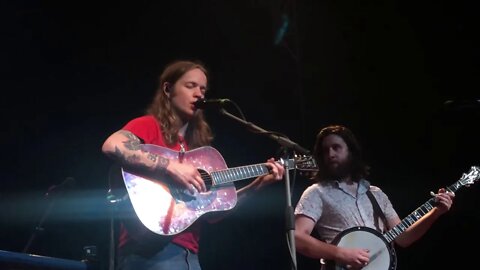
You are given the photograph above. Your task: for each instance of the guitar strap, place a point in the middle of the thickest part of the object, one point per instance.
(377, 211)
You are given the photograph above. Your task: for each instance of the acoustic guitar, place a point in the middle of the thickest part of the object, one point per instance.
(168, 209)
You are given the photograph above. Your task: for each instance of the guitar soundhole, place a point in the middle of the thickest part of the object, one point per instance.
(207, 178)
(195, 200)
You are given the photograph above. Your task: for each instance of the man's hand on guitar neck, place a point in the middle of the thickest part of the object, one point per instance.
(186, 175)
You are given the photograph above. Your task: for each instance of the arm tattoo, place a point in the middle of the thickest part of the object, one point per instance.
(121, 156)
(163, 163)
(132, 142)
(152, 157)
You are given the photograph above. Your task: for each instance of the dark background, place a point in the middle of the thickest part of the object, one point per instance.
(403, 75)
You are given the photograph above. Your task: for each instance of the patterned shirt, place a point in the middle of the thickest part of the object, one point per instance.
(334, 209)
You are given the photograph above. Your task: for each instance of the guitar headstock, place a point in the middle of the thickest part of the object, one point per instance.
(471, 177)
(306, 163)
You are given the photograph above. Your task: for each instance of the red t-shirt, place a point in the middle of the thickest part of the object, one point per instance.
(147, 128)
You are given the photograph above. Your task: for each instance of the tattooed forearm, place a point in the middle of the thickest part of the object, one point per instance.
(128, 150)
(163, 163)
(123, 158)
(135, 160)
(152, 157)
(132, 142)
(132, 159)
(134, 155)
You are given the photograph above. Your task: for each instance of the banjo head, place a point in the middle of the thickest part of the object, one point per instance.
(382, 254)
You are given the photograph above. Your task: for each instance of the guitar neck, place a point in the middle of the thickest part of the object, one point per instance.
(243, 172)
(416, 215)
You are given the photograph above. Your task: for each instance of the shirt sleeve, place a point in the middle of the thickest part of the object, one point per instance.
(310, 203)
(144, 127)
(386, 205)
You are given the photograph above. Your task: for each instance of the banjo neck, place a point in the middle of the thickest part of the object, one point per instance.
(421, 211)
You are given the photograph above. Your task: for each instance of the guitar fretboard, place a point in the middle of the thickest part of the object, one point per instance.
(243, 172)
(416, 215)
(238, 173)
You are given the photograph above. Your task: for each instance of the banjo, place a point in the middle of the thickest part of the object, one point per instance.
(382, 253)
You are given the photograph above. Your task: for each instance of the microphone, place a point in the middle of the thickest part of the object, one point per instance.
(462, 103)
(210, 103)
(67, 183)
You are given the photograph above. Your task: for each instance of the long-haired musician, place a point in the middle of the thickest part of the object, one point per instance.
(172, 121)
(339, 206)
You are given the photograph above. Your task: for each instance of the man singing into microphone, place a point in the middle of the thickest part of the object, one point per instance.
(174, 121)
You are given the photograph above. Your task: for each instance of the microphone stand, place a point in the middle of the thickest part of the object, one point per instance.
(39, 228)
(51, 196)
(288, 144)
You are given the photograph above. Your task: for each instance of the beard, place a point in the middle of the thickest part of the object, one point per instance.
(339, 171)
